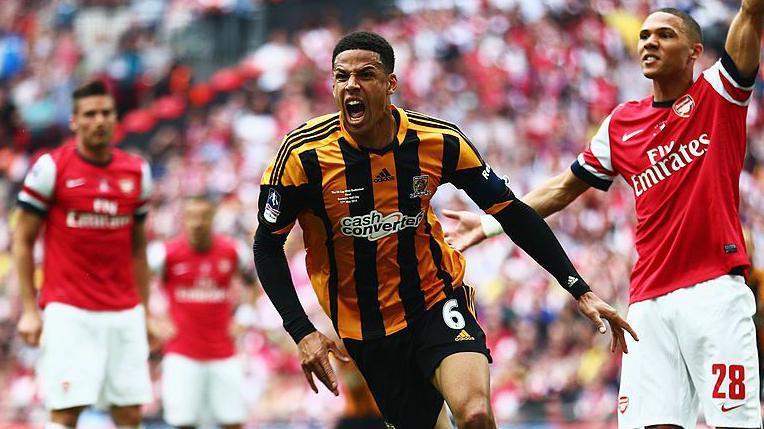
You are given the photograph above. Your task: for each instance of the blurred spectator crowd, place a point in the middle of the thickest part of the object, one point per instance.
(528, 81)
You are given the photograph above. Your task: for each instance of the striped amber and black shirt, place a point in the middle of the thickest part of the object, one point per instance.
(376, 255)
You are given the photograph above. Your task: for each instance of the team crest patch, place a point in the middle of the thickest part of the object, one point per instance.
(272, 206)
(127, 186)
(421, 186)
(623, 404)
(224, 266)
(683, 107)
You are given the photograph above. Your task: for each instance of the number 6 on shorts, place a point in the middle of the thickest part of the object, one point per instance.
(451, 316)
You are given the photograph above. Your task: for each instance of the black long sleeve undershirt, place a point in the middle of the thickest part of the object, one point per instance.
(532, 234)
(273, 271)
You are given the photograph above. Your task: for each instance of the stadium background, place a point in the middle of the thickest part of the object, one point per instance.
(206, 89)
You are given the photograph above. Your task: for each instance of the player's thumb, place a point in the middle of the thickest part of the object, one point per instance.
(450, 214)
(600, 324)
(338, 352)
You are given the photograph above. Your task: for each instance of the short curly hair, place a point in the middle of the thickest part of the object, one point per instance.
(367, 41)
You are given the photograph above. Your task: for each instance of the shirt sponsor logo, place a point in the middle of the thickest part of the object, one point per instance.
(272, 206)
(96, 221)
(671, 163)
(375, 225)
(683, 107)
(421, 186)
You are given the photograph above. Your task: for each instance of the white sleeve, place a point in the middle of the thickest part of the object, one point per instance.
(723, 82)
(39, 185)
(595, 164)
(156, 253)
(146, 188)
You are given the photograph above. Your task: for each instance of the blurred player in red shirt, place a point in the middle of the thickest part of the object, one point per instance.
(681, 150)
(89, 199)
(200, 370)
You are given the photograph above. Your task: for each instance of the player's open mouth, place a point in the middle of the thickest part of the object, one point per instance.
(355, 109)
(649, 59)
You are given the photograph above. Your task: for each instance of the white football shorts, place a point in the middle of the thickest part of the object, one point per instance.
(697, 345)
(94, 357)
(194, 389)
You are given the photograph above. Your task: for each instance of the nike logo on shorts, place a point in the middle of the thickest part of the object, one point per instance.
(725, 409)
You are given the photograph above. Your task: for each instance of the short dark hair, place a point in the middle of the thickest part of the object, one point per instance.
(367, 41)
(692, 26)
(89, 89)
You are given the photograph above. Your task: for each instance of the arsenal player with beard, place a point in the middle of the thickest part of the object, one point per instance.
(681, 150)
(90, 199)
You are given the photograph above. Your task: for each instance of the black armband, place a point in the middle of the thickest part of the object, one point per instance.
(273, 271)
(529, 231)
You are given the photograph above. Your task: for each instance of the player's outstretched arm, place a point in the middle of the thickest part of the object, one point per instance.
(550, 197)
(744, 37)
(529, 231)
(526, 228)
(314, 347)
(28, 225)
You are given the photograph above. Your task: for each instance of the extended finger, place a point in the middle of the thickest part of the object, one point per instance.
(331, 377)
(628, 328)
(622, 340)
(323, 375)
(309, 377)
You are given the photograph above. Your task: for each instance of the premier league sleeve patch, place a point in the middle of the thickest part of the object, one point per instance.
(272, 206)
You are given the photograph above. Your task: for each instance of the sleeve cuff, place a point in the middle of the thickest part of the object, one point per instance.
(491, 226)
(729, 65)
(593, 181)
(31, 208)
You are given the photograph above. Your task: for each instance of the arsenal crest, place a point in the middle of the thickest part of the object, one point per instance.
(683, 107)
(127, 186)
(224, 266)
(421, 186)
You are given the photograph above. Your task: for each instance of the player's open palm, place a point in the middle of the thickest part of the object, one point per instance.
(596, 309)
(30, 327)
(467, 232)
(314, 352)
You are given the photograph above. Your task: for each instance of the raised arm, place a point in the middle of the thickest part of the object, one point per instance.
(744, 38)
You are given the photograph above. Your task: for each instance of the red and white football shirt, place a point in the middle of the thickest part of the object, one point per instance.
(682, 160)
(89, 210)
(198, 286)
